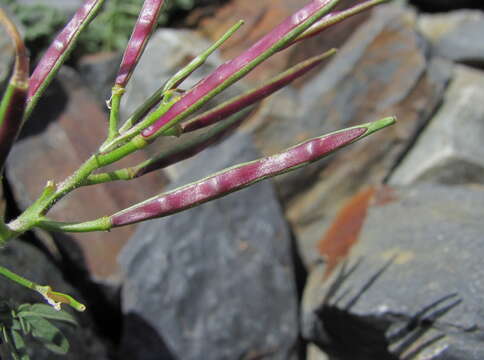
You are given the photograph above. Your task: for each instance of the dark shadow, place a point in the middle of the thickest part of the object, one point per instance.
(352, 337)
(300, 277)
(407, 341)
(346, 335)
(103, 302)
(50, 106)
(141, 342)
(446, 5)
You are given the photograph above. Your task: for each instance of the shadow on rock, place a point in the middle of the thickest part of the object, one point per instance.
(142, 342)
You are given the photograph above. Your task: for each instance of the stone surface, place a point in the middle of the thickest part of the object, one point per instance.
(314, 353)
(382, 70)
(68, 6)
(450, 149)
(167, 52)
(456, 35)
(217, 279)
(6, 57)
(29, 262)
(264, 17)
(62, 133)
(99, 71)
(412, 284)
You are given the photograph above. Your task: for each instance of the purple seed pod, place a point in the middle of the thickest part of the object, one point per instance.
(243, 175)
(13, 102)
(60, 47)
(240, 102)
(142, 31)
(233, 70)
(336, 17)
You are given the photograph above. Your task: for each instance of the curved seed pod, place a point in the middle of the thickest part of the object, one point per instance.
(233, 70)
(142, 31)
(240, 176)
(58, 51)
(12, 106)
(336, 17)
(251, 97)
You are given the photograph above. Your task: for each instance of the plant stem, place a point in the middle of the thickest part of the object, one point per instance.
(114, 104)
(53, 298)
(177, 79)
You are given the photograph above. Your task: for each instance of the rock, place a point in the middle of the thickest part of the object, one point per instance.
(217, 279)
(412, 285)
(168, 51)
(450, 149)
(6, 57)
(261, 19)
(456, 35)
(66, 6)
(66, 128)
(314, 353)
(29, 262)
(99, 72)
(382, 70)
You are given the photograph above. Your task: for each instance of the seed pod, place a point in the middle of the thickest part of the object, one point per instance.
(243, 175)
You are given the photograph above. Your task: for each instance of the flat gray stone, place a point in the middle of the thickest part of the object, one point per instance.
(382, 70)
(450, 149)
(456, 35)
(217, 279)
(417, 286)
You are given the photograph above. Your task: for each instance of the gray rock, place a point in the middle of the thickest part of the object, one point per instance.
(29, 262)
(450, 149)
(67, 6)
(6, 56)
(215, 281)
(99, 72)
(382, 70)
(413, 285)
(456, 36)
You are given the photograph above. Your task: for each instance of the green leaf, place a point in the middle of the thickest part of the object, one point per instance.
(19, 344)
(47, 312)
(48, 334)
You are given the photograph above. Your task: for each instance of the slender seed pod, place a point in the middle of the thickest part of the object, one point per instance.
(233, 70)
(240, 102)
(241, 176)
(12, 105)
(142, 31)
(58, 51)
(336, 17)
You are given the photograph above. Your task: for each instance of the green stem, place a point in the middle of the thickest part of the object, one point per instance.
(101, 224)
(176, 80)
(53, 298)
(169, 99)
(114, 104)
